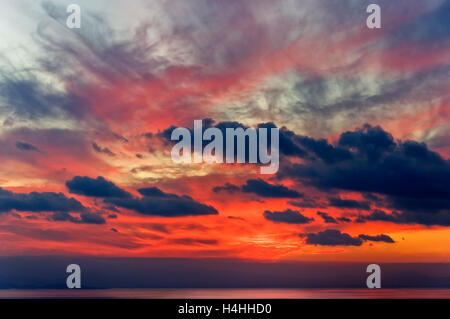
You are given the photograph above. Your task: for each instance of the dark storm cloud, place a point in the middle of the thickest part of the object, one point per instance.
(264, 189)
(288, 216)
(348, 203)
(155, 192)
(382, 237)
(380, 215)
(344, 219)
(372, 198)
(85, 218)
(103, 150)
(370, 142)
(62, 217)
(323, 150)
(327, 218)
(155, 202)
(260, 188)
(287, 145)
(412, 178)
(332, 237)
(24, 146)
(227, 188)
(91, 218)
(290, 144)
(408, 217)
(95, 187)
(306, 203)
(37, 202)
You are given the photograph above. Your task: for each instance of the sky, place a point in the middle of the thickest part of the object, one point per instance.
(363, 115)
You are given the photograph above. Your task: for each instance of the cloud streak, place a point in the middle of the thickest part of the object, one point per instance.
(155, 202)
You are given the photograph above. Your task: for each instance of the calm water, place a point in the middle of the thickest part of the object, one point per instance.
(228, 293)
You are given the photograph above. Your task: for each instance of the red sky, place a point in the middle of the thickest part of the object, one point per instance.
(97, 101)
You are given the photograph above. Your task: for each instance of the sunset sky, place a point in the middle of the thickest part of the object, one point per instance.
(86, 116)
